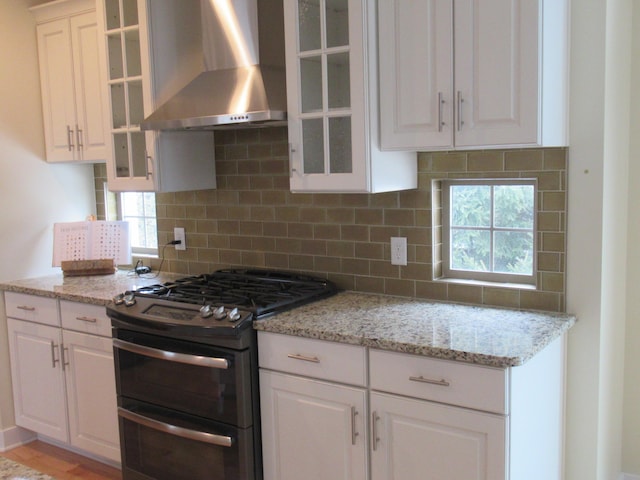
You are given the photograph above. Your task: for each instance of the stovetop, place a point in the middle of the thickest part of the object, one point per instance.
(224, 302)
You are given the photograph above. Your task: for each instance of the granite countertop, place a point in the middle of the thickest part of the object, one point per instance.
(488, 336)
(94, 289)
(476, 334)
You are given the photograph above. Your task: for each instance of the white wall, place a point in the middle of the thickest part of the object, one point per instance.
(597, 240)
(631, 433)
(33, 194)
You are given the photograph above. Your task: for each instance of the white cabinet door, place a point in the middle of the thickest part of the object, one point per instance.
(416, 73)
(38, 378)
(311, 429)
(332, 101)
(417, 439)
(71, 86)
(91, 393)
(497, 71)
(90, 129)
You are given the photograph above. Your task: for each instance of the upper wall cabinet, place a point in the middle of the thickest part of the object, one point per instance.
(473, 73)
(332, 94)
(152, 50)
(70, 80)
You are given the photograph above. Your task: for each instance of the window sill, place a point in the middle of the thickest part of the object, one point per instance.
(484, 283)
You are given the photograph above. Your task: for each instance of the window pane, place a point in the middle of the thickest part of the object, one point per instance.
(309, 24)
(470, 250)
(513, 206)
(340, 145)
(470, 205)
(513, 252)
(313, 145)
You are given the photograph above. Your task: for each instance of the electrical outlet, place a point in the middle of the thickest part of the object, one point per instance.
(178, 234)
(398, 250)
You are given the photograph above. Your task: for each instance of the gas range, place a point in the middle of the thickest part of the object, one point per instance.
(224, 302)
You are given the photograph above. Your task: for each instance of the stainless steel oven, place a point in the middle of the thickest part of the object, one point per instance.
(187, 372)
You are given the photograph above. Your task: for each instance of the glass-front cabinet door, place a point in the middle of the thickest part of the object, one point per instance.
(325, 83)
(131, 167)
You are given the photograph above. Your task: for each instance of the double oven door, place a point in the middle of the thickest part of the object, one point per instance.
(186, 410)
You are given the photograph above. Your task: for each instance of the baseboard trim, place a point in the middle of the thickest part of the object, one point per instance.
(14, 437)
(628, 476)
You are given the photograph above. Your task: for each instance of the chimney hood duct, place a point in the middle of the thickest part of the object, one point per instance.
(243, 83)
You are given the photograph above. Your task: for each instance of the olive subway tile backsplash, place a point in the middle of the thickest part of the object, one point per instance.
(252, 219)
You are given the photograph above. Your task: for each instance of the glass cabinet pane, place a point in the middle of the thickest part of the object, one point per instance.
(309, 24)
(121, 153)
(313, 145)
(112, 11)
(337, 20)
(132, 47)
(136, 108)
(130, 12)
(338, 85)
(340, 145)
(311, 83)
(114, 45)
(118, 106)
(138, 154)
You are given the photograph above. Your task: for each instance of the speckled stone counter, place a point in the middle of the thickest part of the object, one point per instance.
(95, 289)
(487, 336)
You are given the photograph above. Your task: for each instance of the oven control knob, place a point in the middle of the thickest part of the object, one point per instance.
(129, 300)
(234, 315)
(219, 313)
(119, 299)
(205, 311)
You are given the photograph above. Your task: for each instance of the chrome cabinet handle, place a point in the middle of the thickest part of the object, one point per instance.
(65, 362)
(147, 164)
(421, 379)
(440, 104)
(79, 137)
(220, 440)
(460, 101)
(54, 360)
(213, 362)
(87, 319)
(26, 307)
(354, 431)
(70, 138)
(304, 358)
(374, 430)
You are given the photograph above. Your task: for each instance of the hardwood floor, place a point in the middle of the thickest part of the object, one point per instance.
(61, 464)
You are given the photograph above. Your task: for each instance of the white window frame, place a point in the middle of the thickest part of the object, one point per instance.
(484, 276)
(116, 199)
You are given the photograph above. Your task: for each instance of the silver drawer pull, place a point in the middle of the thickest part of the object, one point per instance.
(421, 379)
(87, 319)
(220, 440)
(304, 358)
(26, 307)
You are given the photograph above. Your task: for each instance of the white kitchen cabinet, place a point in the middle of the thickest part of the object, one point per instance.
(473, 74)
(71, 82)
(332, 101)
(312, 428)
(429, 418)
(147, 62)
(63, 378)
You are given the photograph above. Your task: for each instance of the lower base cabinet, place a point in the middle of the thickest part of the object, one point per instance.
(426, 418)
(62, 372)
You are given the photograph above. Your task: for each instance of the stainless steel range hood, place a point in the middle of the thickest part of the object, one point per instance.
(243, 80)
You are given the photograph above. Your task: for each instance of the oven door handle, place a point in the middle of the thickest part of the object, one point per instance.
(220, 440)
(213, 362)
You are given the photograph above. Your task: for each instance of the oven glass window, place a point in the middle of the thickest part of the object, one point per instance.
(214, 393)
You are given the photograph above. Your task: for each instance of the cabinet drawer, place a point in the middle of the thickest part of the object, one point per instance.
(84, 317)
(455, 383)
(312, 358)
(32, 308)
